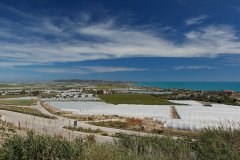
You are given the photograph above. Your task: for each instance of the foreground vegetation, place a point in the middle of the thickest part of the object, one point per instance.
(7, 129)
(25, 110)
(211, 144)
(134, 99)
(18, 102)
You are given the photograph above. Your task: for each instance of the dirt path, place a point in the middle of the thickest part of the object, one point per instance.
(55, 127)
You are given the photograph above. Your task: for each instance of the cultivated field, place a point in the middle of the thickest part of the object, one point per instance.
(134, 99)
(193, 115)
(20, 102)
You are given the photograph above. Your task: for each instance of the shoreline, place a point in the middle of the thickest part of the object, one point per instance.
(193, 86)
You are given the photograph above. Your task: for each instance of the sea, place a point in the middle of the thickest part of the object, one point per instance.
(205, 86)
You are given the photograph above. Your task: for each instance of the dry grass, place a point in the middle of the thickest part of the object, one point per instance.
(86, 130)
(145, 126)
(26, 110)
(53, 110)
(216, 144)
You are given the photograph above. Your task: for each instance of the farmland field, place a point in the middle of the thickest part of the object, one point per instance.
(14, 85)
(193, 115)
(20, 102)
(12, 96)
(108, 87)
(134, 99)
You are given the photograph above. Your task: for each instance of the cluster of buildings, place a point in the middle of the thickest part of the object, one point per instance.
(14, 92)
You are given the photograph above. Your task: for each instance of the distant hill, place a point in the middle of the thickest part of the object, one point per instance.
(98, 82)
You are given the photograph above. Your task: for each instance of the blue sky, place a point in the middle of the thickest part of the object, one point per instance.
(131, 40)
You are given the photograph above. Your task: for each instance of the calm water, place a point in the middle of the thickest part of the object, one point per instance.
(207, 86)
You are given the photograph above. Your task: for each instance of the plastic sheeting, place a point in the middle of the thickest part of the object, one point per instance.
(194, 115)
(137, 111)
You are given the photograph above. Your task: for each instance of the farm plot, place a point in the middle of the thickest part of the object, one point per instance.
(195, 116)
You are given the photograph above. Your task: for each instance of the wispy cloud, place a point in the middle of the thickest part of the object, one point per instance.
(192, 67)
(88, 69)
(101, 69)
(195, 20)
(46, 40)
(230, 61)
(15, 64)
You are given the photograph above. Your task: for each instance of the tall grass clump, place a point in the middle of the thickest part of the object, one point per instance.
(37, 147)
(43, 147)
(218, 143)
(156, 147)
(210, 144)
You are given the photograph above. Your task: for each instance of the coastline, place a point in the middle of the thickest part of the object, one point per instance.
(204, 86)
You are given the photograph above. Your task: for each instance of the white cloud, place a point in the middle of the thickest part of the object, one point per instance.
(196, 20)
(101, 69)
(60, 39)
(14, 64)
(88, 69)
(192, 67)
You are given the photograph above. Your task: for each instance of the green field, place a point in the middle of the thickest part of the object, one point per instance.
(108, 87)
(14, 85)
(18, 102)
(5, 85)
(25, 110)
(134, 99)
(13, 96)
